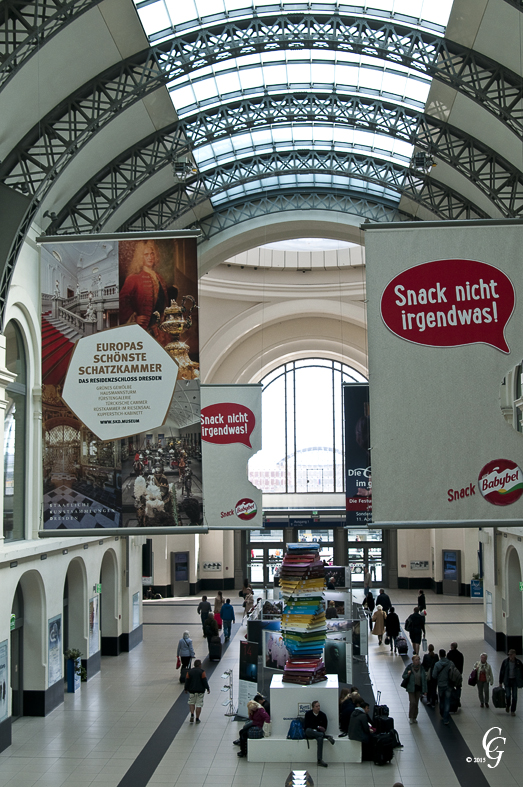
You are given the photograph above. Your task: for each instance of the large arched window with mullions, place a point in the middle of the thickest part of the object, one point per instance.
(302, 427)
(14, 436)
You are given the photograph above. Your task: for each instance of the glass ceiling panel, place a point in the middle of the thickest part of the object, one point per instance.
(162, 14)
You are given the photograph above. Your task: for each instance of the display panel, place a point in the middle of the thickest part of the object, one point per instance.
(120, 392)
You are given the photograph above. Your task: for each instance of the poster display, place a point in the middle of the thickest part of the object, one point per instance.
(120, 374)
(231, 434)
(94, 625)
(4, 681)
(136, 610)
(445, 328)
(54, 650)
(275, 653)
(248, 677)
(358, 482)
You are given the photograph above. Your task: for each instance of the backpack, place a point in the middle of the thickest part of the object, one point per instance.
(296, 732)
(454, 677)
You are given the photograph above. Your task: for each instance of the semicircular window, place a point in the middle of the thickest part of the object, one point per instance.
(302, 427)
(14, 436)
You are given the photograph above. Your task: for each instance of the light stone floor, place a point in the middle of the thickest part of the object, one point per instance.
(96, 735)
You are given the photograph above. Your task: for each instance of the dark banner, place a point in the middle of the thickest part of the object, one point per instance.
(358, 483)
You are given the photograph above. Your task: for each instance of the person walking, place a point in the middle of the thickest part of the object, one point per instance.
(367, 580)
(203, 610)
(484, 678)
(218, 604)
(422, 604)
(415, 625)
(315, 725)
(368, 606)
(511, 676)
(415, 682)
(257, 718)
(458, 659)
(379, 619)
(392, 628)
(246, 589)
(441, 674)
(430, 659)
(185, 652)
(196, 684)
(228, 618)
(248, 604)
(384, 600)
(210, 629)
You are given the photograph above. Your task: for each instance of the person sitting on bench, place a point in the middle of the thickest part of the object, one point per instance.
(315, 725)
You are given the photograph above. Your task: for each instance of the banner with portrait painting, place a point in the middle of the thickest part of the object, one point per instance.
(120, 383)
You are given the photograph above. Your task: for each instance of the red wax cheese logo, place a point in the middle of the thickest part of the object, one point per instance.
(246, 508)
(226, 423)
(501, 482)
(449, 303)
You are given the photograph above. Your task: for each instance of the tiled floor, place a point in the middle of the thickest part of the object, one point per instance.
(98, 734)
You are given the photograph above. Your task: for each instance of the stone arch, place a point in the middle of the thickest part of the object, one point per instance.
(77, 605)
(109, 604)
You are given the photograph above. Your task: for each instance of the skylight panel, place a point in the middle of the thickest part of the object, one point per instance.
(181, 12)
(204, 89)
(275, 75)
(234, 5)
(251, 77)
(228, 83)
(209, 7)
(154, 17)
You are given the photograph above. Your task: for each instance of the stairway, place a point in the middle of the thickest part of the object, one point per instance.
(58, 340)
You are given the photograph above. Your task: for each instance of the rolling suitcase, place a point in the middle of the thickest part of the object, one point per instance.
(402, 646)
(383, 750)
(215, 648)
(379, 710)
(499, 698)
(383, 724)
(454, 700)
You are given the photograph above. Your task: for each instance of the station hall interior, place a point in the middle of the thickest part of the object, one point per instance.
(276, 133)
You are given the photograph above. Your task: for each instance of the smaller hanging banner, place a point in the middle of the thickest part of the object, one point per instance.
(358, 482)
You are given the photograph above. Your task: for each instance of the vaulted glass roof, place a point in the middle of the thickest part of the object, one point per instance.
(305, 69)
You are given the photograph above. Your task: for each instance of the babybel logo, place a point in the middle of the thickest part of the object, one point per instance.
(449, 303)
(246, 508)
(491, 751)
(226, 423)
(501, 482)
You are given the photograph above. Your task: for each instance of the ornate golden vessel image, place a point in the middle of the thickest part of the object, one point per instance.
(177, 320)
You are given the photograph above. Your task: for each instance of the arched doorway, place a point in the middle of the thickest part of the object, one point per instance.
(17, 650)
(514, 601)
(75, 607)
(109, 605)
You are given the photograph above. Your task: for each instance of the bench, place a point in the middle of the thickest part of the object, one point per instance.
(275, 749)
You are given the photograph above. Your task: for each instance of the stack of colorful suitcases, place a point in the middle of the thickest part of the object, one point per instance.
(302, 580)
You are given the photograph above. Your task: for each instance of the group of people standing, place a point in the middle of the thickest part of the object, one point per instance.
(214, 618)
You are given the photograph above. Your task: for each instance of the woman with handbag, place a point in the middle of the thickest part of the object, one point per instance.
(483, 677)
(258, 716)
(184, 653)
(218, 604)
(379, 618)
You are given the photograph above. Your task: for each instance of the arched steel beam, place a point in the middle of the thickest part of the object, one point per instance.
(45, 150)
(93, 205)
(176, 202)
(25, 26)
(248, 208)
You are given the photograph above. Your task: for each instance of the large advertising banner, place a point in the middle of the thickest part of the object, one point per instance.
(358, 482)
(445, 332)
(248, 678)
(120, 374)
(231, 434)
(54, 650)
(4, 681)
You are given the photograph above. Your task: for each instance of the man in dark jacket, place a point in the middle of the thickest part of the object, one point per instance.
(315, 725)
(384, 600)
(196, 684)
(511, 675)
(359, 729)
(458, 659)
(228, 617)
(203, 610)
(415, 625)
(392, 628)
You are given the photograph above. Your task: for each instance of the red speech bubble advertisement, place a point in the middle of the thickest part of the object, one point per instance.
(449, 303)
(225, 423)
(501, 482)
(246, 508)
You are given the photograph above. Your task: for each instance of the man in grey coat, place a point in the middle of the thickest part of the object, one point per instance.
(440, 673)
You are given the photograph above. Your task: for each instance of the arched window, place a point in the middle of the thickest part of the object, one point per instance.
(302, 427)
(14, 437)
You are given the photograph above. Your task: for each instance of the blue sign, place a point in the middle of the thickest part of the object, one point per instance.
(476, 588)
